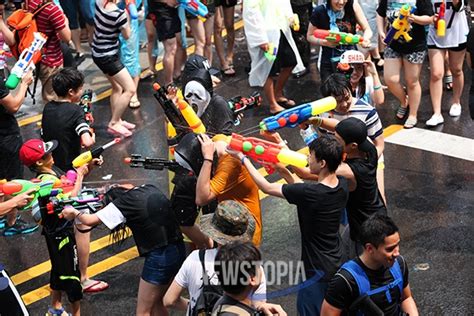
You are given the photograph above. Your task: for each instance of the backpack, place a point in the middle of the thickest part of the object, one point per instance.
(210, 294)
(363, 284)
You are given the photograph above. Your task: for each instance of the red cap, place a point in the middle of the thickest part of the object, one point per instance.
(35, 149)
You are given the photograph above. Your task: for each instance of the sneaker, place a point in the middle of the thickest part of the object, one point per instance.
(435, 120)
(455, 109)
(20, 227)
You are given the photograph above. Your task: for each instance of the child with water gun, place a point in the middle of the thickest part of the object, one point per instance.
(407, 50)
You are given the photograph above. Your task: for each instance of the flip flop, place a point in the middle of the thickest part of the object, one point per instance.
(229, 71)
(134, 104)
(119, 130)
(94, 286)
(127, 125)
(286, 103)
(401, 112)
(448, 82)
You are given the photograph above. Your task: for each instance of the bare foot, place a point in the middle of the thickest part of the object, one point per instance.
(276, 108)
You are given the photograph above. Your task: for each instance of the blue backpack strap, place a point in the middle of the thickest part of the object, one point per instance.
(397, 281)
(359, 276)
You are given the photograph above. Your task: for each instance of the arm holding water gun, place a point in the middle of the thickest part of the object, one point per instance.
(18, 201)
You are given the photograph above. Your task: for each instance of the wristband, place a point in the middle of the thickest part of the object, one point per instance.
(317, 122)
(242, 160)
(377, 87)
(210, 160)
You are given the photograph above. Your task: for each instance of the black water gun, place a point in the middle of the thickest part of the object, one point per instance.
(137, 161)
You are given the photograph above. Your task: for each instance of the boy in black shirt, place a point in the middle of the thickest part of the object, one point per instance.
(376, 283)
(319, 209)
(64, 121)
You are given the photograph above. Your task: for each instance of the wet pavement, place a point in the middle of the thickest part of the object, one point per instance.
(429, 195)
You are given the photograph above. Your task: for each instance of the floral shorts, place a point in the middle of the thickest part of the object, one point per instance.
(414, 58)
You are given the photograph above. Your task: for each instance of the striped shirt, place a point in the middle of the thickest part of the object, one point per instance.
(108, 25)
(50, 21)
(367, 114)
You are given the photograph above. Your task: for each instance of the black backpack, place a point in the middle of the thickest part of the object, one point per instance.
(210, 294)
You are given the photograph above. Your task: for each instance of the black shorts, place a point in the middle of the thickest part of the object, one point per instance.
(65, 275)
(166, 20)
(458, 48)
(110, 65)
(10, 164)
(225, 3)
(285, 56)
(11, 302)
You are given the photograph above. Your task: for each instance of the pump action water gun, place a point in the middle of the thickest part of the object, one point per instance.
(191, 117)
(89, 199)
(137, 161)
(195, 7)
(297, 115)
(87, 156)
(271, 52)
(19, 186)
(441, 21)
(86, 104)
(266, 152)
(131, 9)
(238, 104)
(340, 38)
(26, 61)
(400, 25)
(171, 111)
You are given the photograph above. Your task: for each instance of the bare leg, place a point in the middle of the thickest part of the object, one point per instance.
(392, 69)
(436, 78)
(208, 30)
(456, 61)
(197, 27)
(123, 89)
(412, 79)
(270, 94)
(151, 37)
(76, 39)
(229, 26)
(180, 57)
(285, 73)
(83, 249)
(76, 308)
(169, 59)
(150, 299)
(218, 40)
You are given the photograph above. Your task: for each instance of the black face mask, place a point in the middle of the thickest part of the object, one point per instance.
(188, 153)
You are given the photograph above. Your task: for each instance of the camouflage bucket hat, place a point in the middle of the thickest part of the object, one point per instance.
(230, 222)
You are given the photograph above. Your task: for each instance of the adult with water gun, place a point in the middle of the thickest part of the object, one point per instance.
(37, 155)
(339, 20)
(406, 50)
(272, 48)
(447, 34)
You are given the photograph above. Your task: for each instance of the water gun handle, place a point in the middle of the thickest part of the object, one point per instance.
(441, 22)
(390, 35)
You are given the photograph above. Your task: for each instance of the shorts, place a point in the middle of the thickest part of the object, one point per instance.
(458, 48)
(414, 58)
(167, 20)
(12, 304)
(65, 275)
(110, 65)
(285, 57)
(10, 164)
(183, 200)
(162, 263)
(225, 3)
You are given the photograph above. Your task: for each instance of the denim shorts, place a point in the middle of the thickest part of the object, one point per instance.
(162, 264)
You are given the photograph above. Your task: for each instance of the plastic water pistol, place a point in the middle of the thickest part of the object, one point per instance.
(271, 53)
(87, 199)
(86, 104)
(65, 182)
(26, 61)
(87, 156)
(266, 152)
(297, 115)
(19, 186)
(340, 38)
(239, 104)
(441, 21)
(195, 7)
(400, 26)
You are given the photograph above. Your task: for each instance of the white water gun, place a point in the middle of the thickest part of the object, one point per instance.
(26, 61)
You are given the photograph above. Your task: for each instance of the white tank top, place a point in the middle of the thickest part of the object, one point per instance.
(456, 26)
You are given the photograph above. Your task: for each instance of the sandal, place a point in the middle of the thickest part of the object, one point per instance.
(134, 103)
(229, 71)
(286, 103)
(410, 123)
(401, 112)
(94, 286)
(119, 130)
(127, 125)
(448, 82)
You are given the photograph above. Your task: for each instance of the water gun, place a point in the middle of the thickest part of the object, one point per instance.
(238, 104)
(137, 161)
(340, 38)
(86, 104)
(87, 156)
(265, 152)
(171, 111)
(400, 25)
(26, 61)
(191, 117)
(131, 9)
(271, 52)
(296, 23)
(441, 21)
(19, 186)
(89, 199)
(65, 182)
(297, 115)
(195, 7)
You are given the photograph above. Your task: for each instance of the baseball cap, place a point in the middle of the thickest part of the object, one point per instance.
(35, 149)
(352, 57)
(353, 130)
(230, 222)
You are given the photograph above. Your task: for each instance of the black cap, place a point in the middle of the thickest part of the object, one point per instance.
(353, 130)
(197, 68)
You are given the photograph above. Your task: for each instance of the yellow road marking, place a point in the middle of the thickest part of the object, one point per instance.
(392, 129)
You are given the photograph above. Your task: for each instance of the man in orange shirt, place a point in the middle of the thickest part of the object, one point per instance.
(231, 181)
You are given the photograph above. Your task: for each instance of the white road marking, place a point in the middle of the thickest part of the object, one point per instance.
(440, 143)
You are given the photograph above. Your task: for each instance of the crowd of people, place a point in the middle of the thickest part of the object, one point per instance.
(349, 244)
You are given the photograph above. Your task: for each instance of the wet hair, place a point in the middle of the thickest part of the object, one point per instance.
(65, 79)
(243, 257)
(376, 228)
(119, 233)
(327, 148)
(336, 85)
